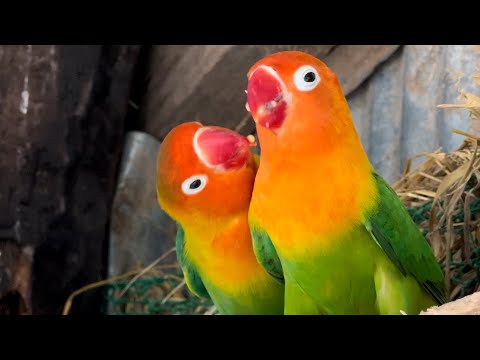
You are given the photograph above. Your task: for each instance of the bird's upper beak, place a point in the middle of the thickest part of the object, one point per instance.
(267, 98)
(222, 149)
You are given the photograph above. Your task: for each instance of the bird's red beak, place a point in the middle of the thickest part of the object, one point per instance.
(221, 148)
(266, 98)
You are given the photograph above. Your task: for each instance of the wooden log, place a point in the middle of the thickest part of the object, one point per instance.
(15, 279)
(468, 305)
(29, 169)
(206, 83)
(61, 128)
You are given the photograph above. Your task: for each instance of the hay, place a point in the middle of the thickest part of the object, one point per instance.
(156, 293)
(443, 197)
(151, 290)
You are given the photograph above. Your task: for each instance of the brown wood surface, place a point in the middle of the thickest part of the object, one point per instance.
(206, 83)
(61, 131)
(468, 305)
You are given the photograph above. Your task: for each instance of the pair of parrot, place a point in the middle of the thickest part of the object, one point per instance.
(311, 228)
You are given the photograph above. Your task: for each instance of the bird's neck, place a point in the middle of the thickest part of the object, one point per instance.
(223, 252)
(316, 178)
(225, 237)
(322, 146)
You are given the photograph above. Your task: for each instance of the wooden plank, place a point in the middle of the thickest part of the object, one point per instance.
(468, 305)
(355, 63)
(206, 83)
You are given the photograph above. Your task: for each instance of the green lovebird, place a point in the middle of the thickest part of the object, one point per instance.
(322, 219)
(205, 177)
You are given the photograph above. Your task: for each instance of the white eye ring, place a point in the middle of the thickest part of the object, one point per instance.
(299, 78)
(197, 181)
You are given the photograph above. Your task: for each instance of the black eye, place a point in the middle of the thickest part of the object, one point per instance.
(195, 184)
(309, 77)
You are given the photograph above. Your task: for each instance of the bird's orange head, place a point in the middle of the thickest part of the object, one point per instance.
(204, 172)
(294, 93)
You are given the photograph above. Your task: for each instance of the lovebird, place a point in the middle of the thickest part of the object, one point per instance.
(205, 177)
(322, 219)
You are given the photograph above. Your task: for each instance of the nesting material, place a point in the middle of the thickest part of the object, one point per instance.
(443, 197)
(156, 293)
(157, 289)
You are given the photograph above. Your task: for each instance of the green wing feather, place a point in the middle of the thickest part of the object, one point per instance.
(192, 277)
(395, 232)
(266, 254)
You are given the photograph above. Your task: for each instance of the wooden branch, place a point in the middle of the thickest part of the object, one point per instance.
(468, 305)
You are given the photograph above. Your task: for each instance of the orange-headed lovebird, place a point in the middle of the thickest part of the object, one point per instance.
(205, 177)
(320, 216)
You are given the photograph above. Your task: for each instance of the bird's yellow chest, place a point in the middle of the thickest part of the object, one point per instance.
(302, 206)
(225, 257)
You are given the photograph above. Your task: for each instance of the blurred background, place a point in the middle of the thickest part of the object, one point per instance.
(80, 126)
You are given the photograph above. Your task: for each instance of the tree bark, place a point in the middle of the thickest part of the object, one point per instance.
(62, 116)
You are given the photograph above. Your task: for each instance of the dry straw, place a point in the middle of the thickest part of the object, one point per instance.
(448, 186)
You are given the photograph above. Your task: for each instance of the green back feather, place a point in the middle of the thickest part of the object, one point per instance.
(395, 232)
(265, 300)
(266, 254)
(190, 273)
